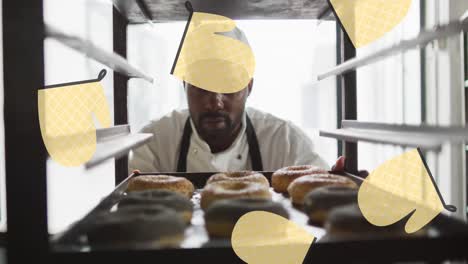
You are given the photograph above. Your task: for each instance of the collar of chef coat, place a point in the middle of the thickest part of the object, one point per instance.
(221, 160)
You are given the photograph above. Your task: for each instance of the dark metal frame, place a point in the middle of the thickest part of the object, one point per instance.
(119, 26)
(347, 96)
(422, 55)
(25, 161)
(339, 86)
(422, 58)
(465, 47)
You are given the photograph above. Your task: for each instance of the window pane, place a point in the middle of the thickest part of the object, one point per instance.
(389, 90)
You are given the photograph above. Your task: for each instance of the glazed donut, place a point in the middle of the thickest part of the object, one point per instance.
(303, 185)
(139, 226)
(169, 199)
(347, 221)
(249, 176)
(319, 202)
(221, 216)
(281, 178)
(232, 189)
(165, 182)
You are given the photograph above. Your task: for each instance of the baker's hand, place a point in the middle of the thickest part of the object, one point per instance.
(340, 167)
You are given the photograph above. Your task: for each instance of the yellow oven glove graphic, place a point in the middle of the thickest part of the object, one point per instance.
(367, 20)
(210, 60)
(262, 237)
(397, 188)
(66, 119)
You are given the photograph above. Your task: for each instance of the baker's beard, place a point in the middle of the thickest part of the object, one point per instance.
(214, 133)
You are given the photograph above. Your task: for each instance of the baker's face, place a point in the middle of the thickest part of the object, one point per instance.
(216, 114)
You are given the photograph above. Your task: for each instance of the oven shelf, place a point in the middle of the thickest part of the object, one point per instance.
(425, 37)
(110, 59)
(115, 142)
(429, 138)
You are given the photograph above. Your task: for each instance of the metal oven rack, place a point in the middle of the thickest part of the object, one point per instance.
(196, 237)
(23, 44)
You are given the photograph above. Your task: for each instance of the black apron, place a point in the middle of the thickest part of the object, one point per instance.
(254, 150)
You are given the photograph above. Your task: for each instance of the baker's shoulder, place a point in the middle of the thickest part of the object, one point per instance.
(170, 123)
(266, 124)
(262, 120)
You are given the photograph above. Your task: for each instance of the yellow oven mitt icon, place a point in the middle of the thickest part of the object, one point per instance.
(399, 187)
(262, 237)
(66, 119)
(211, 59)
(367, 20)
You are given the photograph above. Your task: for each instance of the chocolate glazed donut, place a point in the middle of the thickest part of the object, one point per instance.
(221, 216)
(303, 185)
(319, 202)
(173, 200)
(140, 226)
(232, 189)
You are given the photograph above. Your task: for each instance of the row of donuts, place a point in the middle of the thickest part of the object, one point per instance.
(314, 190)
(330, 201)
(157, 208)
(224, 198)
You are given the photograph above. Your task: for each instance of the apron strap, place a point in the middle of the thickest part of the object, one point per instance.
(184, 147)
(254, 149)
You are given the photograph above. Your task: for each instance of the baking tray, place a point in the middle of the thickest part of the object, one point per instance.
(196, 236)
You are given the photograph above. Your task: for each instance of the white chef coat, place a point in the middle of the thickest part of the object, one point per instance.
(281, 144)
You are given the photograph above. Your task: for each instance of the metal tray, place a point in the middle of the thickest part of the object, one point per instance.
(196, 235)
